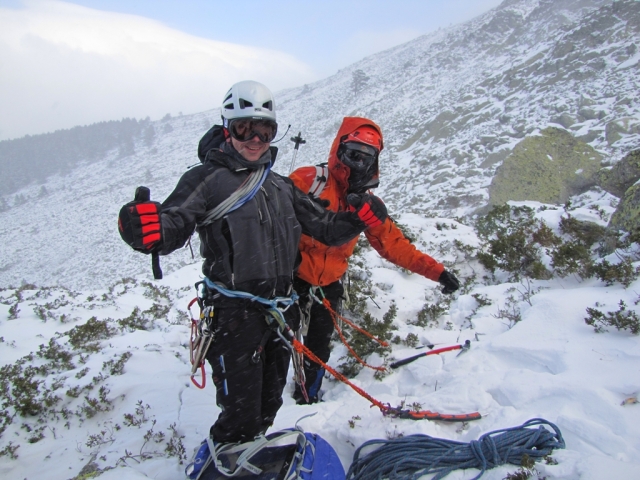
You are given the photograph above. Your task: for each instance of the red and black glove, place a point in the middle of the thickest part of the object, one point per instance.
(139, 222)
(369, 208)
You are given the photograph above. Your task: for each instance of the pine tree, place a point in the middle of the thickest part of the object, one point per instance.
(359, 82)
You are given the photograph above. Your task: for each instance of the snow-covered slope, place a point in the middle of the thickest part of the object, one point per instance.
(116, 397)
(452, 104)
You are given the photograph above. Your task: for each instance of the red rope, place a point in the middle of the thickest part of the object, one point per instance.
(385, 408)
(335, 315)
(299, 347)
(325, 302)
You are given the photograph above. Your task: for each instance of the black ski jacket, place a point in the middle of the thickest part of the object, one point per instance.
(254, 248)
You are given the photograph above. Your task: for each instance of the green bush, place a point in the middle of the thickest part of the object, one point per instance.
(622, 272)
(622, 319)
(428, 316)
(513, 240)
(86, 336)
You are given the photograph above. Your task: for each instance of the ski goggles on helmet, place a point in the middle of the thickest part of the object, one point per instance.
(244, 129)
(357, 156)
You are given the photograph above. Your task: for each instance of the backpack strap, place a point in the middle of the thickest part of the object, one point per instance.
(250, 449)
(322, 174)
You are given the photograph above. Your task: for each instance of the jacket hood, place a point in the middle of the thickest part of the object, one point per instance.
(339, 170)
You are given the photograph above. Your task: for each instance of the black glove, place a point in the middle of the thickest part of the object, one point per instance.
(449, 281)
(139, 222)
(369, 208)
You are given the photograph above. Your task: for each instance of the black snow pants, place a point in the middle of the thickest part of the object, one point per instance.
(248, 387)
(318, 337)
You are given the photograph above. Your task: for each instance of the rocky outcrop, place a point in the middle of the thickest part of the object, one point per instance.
(618, 179)
(627, 215)
(622, 180)
(549, 168)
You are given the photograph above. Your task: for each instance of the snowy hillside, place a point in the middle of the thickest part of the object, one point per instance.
(104, 384)
(452, 105)
(94, 358)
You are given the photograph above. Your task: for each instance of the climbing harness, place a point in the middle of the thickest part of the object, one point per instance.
(202, 330)
(412, 456)
(463, 348)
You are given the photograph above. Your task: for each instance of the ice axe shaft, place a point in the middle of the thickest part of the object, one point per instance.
(298, 141)
(465, 346)
(143, 194)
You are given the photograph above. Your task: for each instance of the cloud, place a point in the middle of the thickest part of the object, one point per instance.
(63, 65)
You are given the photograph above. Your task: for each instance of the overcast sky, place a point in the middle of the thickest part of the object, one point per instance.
(82, 61)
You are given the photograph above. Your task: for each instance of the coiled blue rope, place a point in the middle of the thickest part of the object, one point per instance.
(412, 456)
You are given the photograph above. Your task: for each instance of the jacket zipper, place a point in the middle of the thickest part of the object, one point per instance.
(273, 242)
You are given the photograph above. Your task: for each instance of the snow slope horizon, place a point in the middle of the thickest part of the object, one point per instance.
(549, 365)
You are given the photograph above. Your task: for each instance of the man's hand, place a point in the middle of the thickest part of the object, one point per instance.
(369, 208)
(449, 281)
(139, 222)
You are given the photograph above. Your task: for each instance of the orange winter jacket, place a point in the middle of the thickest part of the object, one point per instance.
(322, 264)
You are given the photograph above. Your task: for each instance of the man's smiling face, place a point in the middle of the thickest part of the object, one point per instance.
(252, 149)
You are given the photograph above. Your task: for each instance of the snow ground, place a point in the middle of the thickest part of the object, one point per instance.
(550, 365)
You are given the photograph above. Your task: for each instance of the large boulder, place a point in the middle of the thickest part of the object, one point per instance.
(548, 168)
(617, 179)
(627, 215)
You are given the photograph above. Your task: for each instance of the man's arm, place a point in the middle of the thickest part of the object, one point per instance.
(335, 228)
(182, 209)
(391, 244)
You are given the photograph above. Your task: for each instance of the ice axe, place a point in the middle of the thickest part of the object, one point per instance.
(143, 194)
(462, 347)
(298, 141)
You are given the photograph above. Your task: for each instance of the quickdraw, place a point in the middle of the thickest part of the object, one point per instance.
(200, 340)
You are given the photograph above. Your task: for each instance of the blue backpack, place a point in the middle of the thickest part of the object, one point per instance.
(320, 461)
(289, 454)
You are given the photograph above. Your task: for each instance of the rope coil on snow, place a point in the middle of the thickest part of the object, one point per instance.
(413, 456)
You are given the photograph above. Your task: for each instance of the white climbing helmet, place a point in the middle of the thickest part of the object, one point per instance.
(248, 99)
